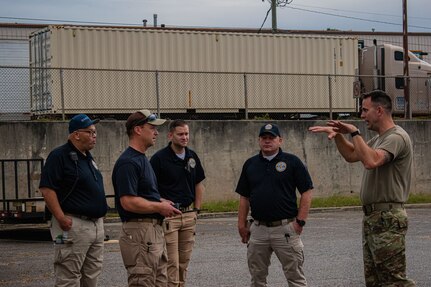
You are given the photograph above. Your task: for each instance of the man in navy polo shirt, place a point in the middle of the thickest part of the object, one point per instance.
(179, 175)
(267, 186)
(139, 205)
(72, 187)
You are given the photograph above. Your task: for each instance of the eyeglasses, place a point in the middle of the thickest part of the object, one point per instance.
(149, 119)
(92, 133)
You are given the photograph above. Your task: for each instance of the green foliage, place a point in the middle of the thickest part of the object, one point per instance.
(419, 198)
(317, 202)
(220, 206)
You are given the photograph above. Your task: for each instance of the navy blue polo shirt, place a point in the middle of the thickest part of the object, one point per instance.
(133, 175)
(271, 185)
(60, 173)
(177, 177)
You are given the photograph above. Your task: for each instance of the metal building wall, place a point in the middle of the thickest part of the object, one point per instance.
(83, 47)
(167, 50)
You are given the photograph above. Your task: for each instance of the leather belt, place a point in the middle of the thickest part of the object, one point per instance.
(146, 219)
(273, 223)
(83, 217)
(384, 206)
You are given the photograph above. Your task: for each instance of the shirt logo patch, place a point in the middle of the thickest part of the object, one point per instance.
(281, 166)
(191, 163)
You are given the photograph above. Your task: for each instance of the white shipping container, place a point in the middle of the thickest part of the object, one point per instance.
(209, 53)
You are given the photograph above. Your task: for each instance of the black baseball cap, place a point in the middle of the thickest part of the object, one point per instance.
(269, 129)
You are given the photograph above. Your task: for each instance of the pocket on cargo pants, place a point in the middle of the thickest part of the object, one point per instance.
(293, 238)
(142, 249)
(129, 246)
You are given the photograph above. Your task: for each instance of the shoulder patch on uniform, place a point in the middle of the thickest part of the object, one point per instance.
(192, 162)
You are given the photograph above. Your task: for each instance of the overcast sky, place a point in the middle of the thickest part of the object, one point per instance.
(364, 15)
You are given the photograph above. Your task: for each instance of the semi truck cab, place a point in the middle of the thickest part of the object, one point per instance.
(382, 67)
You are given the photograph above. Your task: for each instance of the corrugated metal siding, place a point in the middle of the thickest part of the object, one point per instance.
(164, 50)
(14, 33)
(13, 53)
(200, 51)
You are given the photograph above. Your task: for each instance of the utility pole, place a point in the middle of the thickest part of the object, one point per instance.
(407, 104)
(274, 15)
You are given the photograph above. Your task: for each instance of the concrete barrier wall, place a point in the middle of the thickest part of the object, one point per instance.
(223, 146)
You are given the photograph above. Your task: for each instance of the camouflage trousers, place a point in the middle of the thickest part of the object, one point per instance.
(383, 241)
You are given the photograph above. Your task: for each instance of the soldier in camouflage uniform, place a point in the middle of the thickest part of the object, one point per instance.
(387, 159)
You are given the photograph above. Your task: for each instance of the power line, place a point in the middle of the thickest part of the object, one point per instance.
(264, 20)
(362, 12)
(281, 3)
(356, 18)
(285, 6)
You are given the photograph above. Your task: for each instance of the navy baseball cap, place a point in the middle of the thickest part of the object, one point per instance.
(270, 129)
(81, 121)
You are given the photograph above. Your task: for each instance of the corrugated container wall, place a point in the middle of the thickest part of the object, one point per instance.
(80, 47)
(173, 50)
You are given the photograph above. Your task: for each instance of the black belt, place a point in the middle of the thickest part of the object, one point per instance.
(146, 219)
(185, 209)
(83, 217)
(273, 223)
(384, 206)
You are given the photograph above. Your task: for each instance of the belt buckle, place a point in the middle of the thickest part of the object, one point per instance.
(269, 224)
(274, 223)
(184, 209)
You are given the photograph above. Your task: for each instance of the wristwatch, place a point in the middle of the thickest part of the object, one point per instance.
(355, 133)
(300, 222)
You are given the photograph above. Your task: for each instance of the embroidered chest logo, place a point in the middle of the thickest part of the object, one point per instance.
(191, 164)
(281, 166)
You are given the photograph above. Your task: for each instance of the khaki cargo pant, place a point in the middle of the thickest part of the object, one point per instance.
(384, 246)
(287, 246)
(78, 261)
(143, 250)
(180, 237)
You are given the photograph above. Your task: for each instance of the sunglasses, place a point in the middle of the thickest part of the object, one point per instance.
(149, 119)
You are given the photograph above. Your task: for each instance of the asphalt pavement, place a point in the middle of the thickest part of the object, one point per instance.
(332, 239)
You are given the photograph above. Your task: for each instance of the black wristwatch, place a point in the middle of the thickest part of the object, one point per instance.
(300, 222)
(355, 133)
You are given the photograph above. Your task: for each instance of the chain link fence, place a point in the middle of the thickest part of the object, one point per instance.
(113, 94)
